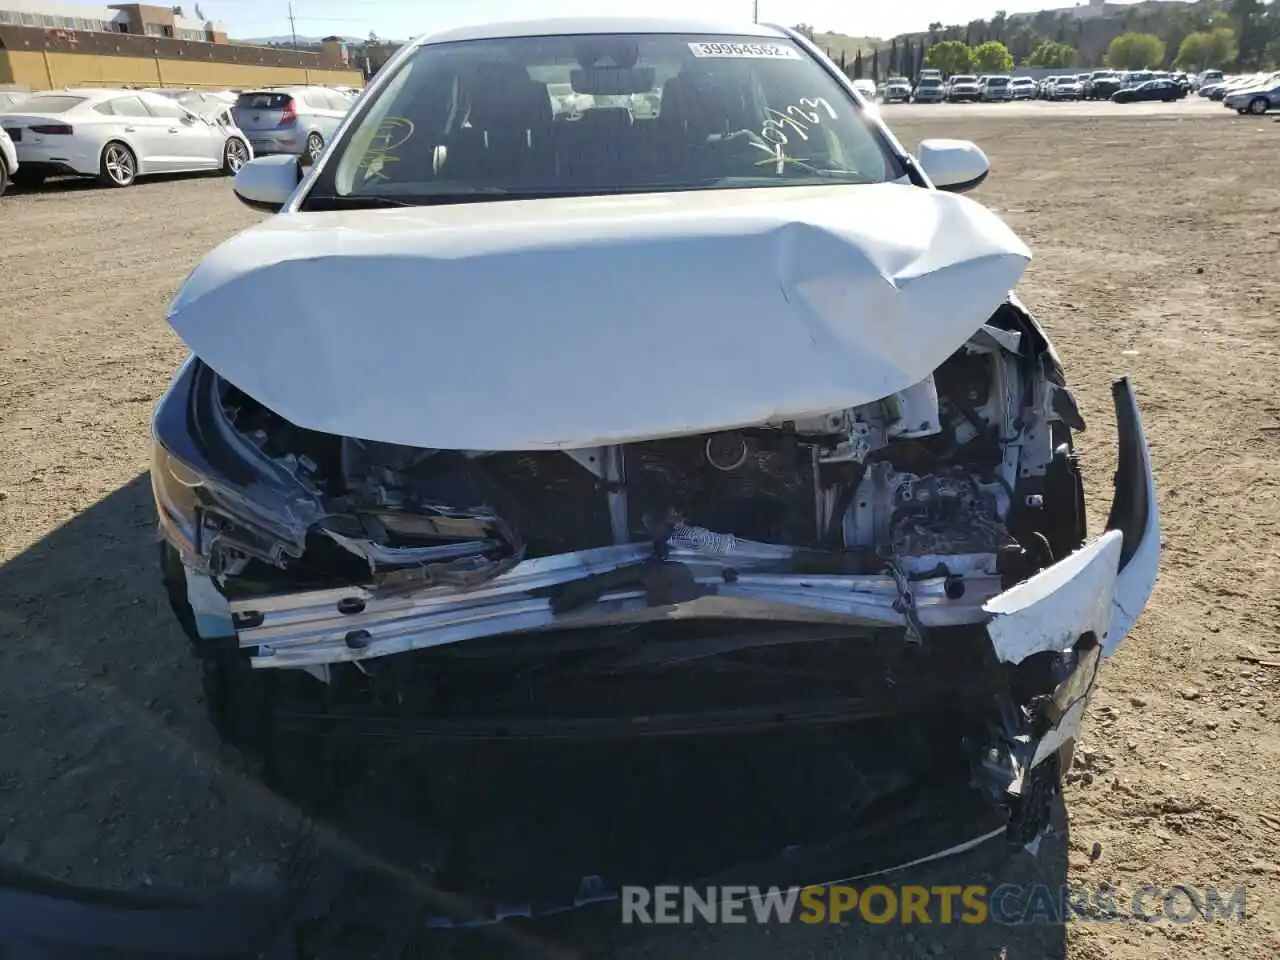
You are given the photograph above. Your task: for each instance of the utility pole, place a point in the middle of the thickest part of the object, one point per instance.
(293, 30)
(755, 11)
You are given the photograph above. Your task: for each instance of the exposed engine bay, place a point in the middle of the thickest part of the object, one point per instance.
(967, 472)
(922, 556)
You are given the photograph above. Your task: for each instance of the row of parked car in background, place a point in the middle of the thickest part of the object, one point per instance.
(1254, 93)
(1121, 86)
(120, 134)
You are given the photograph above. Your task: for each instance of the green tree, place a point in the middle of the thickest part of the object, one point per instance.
(999, 23)
(949, 56)
(1207, 48)
(992, 57)
(1135, 51)
(1050, 54)
(1251, 29)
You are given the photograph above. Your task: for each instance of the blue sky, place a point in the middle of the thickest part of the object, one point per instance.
(405, 18)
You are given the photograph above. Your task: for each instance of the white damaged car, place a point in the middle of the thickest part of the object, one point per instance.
(516, 426)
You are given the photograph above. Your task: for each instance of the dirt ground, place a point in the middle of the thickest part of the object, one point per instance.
(1156, 244)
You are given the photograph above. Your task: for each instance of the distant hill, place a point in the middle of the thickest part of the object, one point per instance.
(837, 43)
(288, 38)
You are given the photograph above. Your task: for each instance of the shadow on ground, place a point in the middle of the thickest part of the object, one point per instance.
(65, 185)
(110, 776)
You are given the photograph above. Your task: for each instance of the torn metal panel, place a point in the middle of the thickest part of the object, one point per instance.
(295, 629)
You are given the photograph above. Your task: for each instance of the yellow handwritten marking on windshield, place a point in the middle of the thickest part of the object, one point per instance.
(777, 158)
(390, 134)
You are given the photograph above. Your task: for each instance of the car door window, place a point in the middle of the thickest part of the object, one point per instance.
(129, 107)
(165, 109)
(315, 100)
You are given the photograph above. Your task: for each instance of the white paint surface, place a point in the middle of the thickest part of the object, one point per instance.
(564, 323)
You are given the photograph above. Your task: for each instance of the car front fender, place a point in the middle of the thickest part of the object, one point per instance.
(1100, 590)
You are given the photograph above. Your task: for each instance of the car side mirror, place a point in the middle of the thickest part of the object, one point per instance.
(953, 165)
(267, 183)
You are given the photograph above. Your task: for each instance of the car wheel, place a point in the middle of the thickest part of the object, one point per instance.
(27, 179)
(119, 165)
(4, 178)
(234, 156)
(1258, 106)
(315, 147)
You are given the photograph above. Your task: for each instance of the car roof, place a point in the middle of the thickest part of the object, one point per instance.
(93, 95)
(562, 26)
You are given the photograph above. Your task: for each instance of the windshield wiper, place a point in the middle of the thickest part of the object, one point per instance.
(317, 202)
(328, 201)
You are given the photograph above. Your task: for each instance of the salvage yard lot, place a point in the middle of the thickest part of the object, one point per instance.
(1156, 242)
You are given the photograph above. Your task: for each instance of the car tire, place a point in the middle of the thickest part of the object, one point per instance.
(235, 154)
(315, 147)
(1258, 106)
(1241, 110)
(119, 165)
(27, 179)
(4, 178)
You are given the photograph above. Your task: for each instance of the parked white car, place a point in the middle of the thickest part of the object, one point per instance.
(8, 160)
(117, 136)
(705, 485)
(1022, 88)
(1206, 78)
(1257, 98)
(866, 87)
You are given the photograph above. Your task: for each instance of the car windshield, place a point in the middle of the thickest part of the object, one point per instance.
(603, 113)
(997, 81)
(930, 82)
(964, 79)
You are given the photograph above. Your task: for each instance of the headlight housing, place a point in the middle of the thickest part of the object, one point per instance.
(218, 499)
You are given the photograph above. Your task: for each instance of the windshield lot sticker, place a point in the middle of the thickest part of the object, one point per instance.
(754, 51)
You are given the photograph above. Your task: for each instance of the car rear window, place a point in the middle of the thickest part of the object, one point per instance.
(263, 101)
(50, 103)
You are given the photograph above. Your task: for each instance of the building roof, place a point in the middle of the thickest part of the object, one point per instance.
(92, 11)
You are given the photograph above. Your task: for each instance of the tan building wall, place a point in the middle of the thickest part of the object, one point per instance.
(44, 70)
(41, 59)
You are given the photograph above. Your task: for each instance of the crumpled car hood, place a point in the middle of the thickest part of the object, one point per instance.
(566, 323)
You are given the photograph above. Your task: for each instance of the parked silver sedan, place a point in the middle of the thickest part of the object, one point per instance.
(292, 120)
